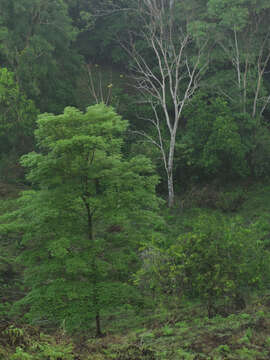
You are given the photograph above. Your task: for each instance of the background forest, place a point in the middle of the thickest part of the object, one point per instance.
(134, 179)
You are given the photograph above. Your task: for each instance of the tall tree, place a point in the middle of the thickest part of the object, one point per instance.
(167, 72)
(86, 219)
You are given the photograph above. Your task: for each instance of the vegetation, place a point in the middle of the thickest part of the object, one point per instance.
(134, 180)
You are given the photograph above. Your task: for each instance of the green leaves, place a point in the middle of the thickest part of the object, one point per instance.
(220, 259)
(216, 140)
(233, 13)
(36, 39)
(17, 122)
(18, 114)
(87, 216)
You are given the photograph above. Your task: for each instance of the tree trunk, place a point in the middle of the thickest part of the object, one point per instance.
(211, 309)
(98, 327)
(94, 269)
(170, 190)
(170, 170)
(173, 80)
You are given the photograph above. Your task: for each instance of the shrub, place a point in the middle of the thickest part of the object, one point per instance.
(219, 260)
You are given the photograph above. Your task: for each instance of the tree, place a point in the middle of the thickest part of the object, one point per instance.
(17, 120)
(241, 31)
(167, 72)
(83, 223)
(216, 140)
(36, 39)
(239, 67)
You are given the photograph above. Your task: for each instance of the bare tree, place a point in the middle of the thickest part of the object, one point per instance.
(99, 91)
(170, 84)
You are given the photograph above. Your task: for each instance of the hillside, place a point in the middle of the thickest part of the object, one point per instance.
(177, 328)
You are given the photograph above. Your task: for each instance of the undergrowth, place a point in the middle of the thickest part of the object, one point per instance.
(174, 329)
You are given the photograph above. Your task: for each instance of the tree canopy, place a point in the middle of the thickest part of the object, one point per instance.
(94, 207)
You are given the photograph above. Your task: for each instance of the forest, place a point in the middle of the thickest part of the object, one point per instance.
(134, 179)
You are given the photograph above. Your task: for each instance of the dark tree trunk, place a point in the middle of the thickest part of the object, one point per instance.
(94, 268)
(98, 327)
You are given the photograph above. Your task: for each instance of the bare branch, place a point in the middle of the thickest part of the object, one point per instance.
(174, 78)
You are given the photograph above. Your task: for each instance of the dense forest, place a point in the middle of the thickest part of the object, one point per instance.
(134, 179)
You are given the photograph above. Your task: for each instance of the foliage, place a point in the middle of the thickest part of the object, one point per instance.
(27, 343)
(216, 140)
(84, 220)
(216, 259)
(240, 34)
(36, 39)
(260, 154)
(17, 121)
(153, 276)
(92, 248)
(231, 201)
(102, 26)
(220, 259)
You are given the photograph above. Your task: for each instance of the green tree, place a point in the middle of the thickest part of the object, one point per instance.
(36, 39)
(216, 141)
(17, 121)
(86, 217)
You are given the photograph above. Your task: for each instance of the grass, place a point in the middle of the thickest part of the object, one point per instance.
(233, 337)
(244, 335)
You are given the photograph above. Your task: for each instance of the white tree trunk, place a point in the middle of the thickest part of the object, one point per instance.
(170, 164)
(170, 190)
(177, 77)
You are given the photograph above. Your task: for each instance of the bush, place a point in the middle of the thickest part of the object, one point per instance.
(219, 260)
(231, 201)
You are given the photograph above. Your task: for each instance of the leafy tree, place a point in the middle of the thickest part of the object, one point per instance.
(216, 141)
(17, 120)
(85, 219)
(36, 39)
